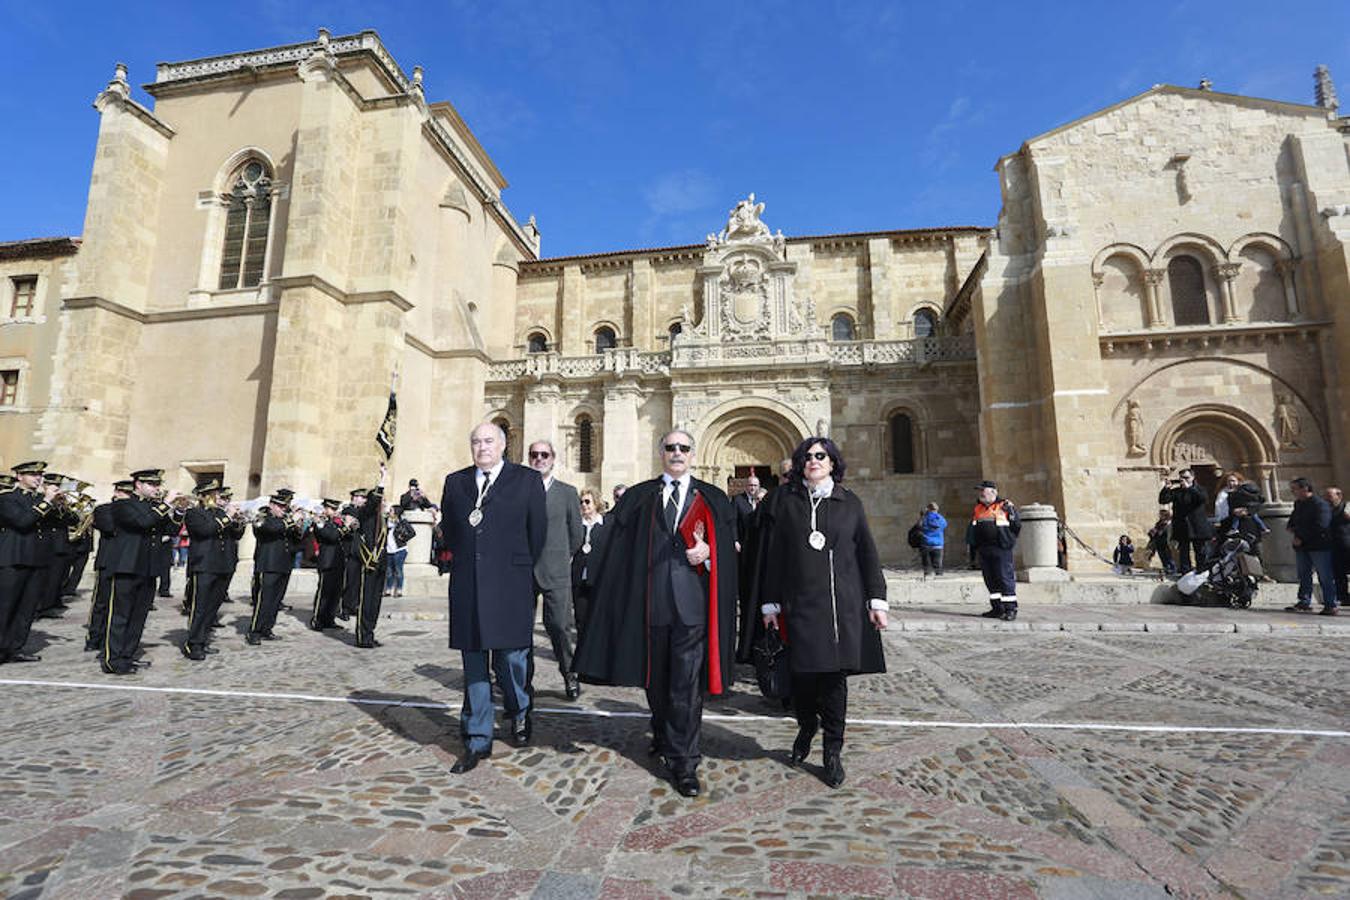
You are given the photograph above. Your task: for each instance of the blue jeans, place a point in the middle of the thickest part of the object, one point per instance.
(1307, 561)
(475, 718)
(393, 577)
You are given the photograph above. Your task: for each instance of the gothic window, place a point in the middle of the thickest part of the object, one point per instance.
(505, 426)
(605, 340)
(9, 387)
(925, 323)
(536, 343)
(25, 292)
(1186, 281)
(585, 444)
(901, 428)
(249, 214)
(841, 327)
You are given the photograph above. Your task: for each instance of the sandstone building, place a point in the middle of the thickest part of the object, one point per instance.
(1168, 283)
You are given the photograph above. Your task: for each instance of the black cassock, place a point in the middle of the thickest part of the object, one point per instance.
(613, 649)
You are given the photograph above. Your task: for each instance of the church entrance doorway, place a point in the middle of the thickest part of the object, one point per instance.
(741, 475)
(1213, 442)
(744, 440)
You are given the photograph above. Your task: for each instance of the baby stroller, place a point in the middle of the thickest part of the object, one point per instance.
(1232, 571)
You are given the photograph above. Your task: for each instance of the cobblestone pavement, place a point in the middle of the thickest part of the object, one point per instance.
(309, 768)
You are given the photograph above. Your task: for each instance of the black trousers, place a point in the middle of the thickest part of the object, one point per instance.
(20, 592)
(351, 585)
(74, 572)
(560, 626)
(581, 607)
(370, 591)
(1184, 549)
(931, 557)
(820, 700)
(675, 694)
(128, 607)
(269, 588)
(205, 592)
(327, 596)
(165, 574)
(53, 577)
(98, 609)
(996, 564)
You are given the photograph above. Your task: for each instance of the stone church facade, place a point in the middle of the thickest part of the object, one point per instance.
(1168, 284)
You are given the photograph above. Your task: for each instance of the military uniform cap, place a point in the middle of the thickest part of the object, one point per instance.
(52, 478)
(36, 467)
(331, 503)
(149, 476)
(360, 492)
(6, 481)
(280, 498)
(285, 493)
(211, 486)
(125, 484)
(986, 484)
(226, 490)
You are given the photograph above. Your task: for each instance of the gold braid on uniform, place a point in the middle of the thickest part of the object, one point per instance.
(369, 558)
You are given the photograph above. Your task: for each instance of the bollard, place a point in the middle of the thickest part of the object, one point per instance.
(1277, 548)
(419, 548)
(1039, 544)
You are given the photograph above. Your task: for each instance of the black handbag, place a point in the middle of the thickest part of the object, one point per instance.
(771, 665)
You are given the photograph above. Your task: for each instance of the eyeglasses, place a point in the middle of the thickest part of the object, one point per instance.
(540, 454)
(683, 448)
(586, 501)
(820, 455)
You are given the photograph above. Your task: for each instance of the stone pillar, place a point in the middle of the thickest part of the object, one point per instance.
(419, 548)
(1277, 550)
(1226, 272)
(1287, 268)
(624, 449)
(1039, 543)
(1153, 278)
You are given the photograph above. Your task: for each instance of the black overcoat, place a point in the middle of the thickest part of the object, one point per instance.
(103, 524)
(492, 568)
(613, 649)
(330, 537)
(209, 551)
(21, 516)
(824, 593)
(1189, 520)
(136, 523)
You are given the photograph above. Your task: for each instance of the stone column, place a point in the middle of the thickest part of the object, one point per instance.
(1039, 543)
(1153, 278)
(1226, 272)
(1287, 269)
(419, 548)
(1277, 550)
(624, 449)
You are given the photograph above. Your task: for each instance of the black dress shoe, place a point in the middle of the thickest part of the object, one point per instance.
(572, 686)
(343, 617)
(688, 785)
(90, 647)
(209, 649)
(369, 645)
(992, 614)
(801, 747)
(834, 770)
(1009, 614)
(469, 761)
(217, 624)
(522, 727)
(23, 658)
(194, 653)
(252, 639)
(269, 636)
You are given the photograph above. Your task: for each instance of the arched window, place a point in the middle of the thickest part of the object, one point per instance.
(841, 327)
(1186, 281)
(902, 444)
(246, 223)
(675, 328)
(605, 340)
(585, 444)
(536, 343)
(505, 426)
(925, 323)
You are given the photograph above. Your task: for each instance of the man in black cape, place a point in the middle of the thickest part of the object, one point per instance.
(663, 615)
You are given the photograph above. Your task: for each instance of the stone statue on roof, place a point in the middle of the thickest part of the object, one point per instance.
(743, 225)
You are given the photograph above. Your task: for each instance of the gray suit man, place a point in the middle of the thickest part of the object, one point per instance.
(553, 571)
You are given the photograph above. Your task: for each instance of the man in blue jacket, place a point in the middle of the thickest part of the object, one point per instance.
(1311, 524)
(495, 522)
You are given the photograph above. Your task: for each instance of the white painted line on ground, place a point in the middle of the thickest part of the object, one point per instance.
(714, 717)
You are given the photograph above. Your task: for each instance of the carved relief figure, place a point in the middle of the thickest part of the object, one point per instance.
(1134, 429)
(743, 224)
(1287, 425)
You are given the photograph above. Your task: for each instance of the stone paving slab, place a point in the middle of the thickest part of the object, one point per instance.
(1110, 761)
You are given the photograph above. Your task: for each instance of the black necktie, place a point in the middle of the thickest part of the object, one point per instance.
(673, 505)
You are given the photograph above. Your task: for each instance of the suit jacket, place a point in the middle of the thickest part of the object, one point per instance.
(209, 550)
(583, 573)
(277, 543)
(745, 518)
(1189, 521)
(330, 536)
(553, 571)
(21, 515)
(492, 568)
(137, 524)
(103, 524)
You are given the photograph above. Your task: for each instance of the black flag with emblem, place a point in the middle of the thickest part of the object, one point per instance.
(385, 436)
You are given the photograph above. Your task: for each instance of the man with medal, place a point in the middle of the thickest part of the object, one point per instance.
(664, 612)
(495, 522)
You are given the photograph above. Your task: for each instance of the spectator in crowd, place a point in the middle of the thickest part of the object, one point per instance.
(618, 492)
(593, 539)
(1159, 541)
(413, 498)
(180, 550)
(1310, 523)
(1231, 482)
(1191, 528)
(1123, 557)
(397, 553)
(933, 530)
(1340, 540)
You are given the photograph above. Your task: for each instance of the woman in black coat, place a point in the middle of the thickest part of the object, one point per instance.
(825, 593)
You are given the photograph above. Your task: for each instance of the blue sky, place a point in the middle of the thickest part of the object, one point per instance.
(634, 124)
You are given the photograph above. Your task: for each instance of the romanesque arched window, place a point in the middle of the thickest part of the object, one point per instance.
(925, 323)
(1186, 282)
(841, 327)
(675, 328)
(605, 339)
(585, 444)
(536, 343)
(246, 222)
(901, 428)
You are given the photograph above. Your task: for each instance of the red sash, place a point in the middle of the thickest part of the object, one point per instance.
(700, 512)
